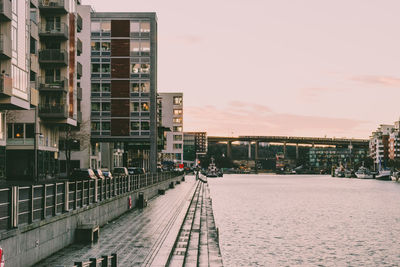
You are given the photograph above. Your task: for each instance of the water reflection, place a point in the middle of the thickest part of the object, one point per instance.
(270, 220)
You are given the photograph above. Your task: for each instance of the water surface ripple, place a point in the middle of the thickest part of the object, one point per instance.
(271, 220)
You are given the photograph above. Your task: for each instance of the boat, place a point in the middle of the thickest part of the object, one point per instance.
(340, 172)
(383, 175)
(349, 173)
(364, 173)
(212, 170)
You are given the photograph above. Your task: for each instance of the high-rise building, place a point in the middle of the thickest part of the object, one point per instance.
(45, 59)
(379, 144)
(195, 145)
(172, 118)
(124, 88)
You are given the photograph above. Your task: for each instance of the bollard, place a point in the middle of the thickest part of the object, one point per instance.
(104, 262)
(114, 261)
(93, 262)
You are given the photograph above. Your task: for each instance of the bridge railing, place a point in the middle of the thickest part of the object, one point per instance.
(22, 205)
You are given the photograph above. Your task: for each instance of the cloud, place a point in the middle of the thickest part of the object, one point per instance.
(260, 120)
(378, 80)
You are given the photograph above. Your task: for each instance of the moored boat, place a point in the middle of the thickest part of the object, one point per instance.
(383, 175)
(395, 176)
(212, 170)
(364, 173)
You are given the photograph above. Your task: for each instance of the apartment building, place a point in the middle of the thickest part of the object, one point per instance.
(195, 144)
(43, 60)
(394, 142)
(124, 88)
(379, 144)
(172, 118)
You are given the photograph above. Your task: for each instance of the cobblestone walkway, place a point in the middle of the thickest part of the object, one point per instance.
(138, 236)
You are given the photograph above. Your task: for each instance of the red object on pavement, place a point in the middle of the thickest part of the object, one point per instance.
(1, 258)
(181, 166)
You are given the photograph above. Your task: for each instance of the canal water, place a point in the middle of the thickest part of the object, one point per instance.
(277, 220)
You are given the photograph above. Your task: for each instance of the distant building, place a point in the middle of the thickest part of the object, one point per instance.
(327, 157)
(379, 144)
(172, 118)
(195, 143)
(394, 142)
(124, 88)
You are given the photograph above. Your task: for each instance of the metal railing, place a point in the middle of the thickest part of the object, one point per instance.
(103, 261)
(53, 56)
(54, 30)
(23, 205)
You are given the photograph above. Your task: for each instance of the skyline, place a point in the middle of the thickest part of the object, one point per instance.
(303, 71)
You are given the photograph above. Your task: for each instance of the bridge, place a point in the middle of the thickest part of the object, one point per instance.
(324, 141)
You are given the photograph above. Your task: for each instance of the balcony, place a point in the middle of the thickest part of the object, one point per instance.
(47, 31)
(78, 70)
(54, 111)
(79, 93)
(5, 47)
(5, 86)
(34, 97)
(34, 63)
(79, 47)
(50, 84)
(53, 7)
(5, 10)
(53, 57)
(79, 23)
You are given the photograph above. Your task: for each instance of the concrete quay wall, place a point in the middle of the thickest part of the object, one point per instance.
(29, 244)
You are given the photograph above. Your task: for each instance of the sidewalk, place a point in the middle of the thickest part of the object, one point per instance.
(137, 236)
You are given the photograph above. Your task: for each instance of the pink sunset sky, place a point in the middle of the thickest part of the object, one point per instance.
(278, 67)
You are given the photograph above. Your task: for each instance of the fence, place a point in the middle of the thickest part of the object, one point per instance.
(21, 205)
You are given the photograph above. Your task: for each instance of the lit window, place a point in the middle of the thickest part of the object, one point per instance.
(135, 47)
(177, 111)
(135, 68)
(177, 128)
(105, 26)
(95, 46)
(145, 106)
(145, 48)
(145, 87)
(135, 88)
(145, 68)
(177, 120)
(105, 46)
(177, 100)
(145, 27)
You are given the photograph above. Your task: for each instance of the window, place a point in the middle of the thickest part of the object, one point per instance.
(135, 87)
(29, 130)
(177, 111)
(18, 130)
(105, 46)
(134, 106)
(140, 68)
(145, 106)
(135, 125)
(177, 120)
(135, 68)
(95, 67)
(105, 26)
(105, 106)
(95, 125)
(105, 126)
(95, 46)
(135, 26)
(145, 27)
(177, 137)
(145, 125)
(106, 87)
(145, 87)
(145, 68)
(95, 106)
(105, 68)
(177, 128)
(95, 26)
(95, 87)
(135, 47)
(177, 100)
(177, 146)
(145, 48)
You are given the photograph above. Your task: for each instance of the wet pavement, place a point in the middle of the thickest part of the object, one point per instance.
(140, 237)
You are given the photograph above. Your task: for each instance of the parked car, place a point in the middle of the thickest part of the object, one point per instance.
(79, 174)
(135, 170)
(120, 171)
(107, 173)
(99, 174)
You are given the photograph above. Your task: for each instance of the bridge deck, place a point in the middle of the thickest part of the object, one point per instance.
(141, 237)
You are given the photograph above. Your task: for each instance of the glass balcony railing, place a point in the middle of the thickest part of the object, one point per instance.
(50, 30)
(53, 84)
(53, 56)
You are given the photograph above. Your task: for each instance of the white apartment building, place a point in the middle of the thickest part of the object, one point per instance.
(172, 118)
(379, 143)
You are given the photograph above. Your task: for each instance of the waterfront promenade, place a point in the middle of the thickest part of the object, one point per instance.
(142, 237)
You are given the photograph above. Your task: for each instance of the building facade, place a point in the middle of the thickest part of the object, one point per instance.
(328, 157)
(195, 144)
(379, 144)
(124, 88)
(172, 118)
